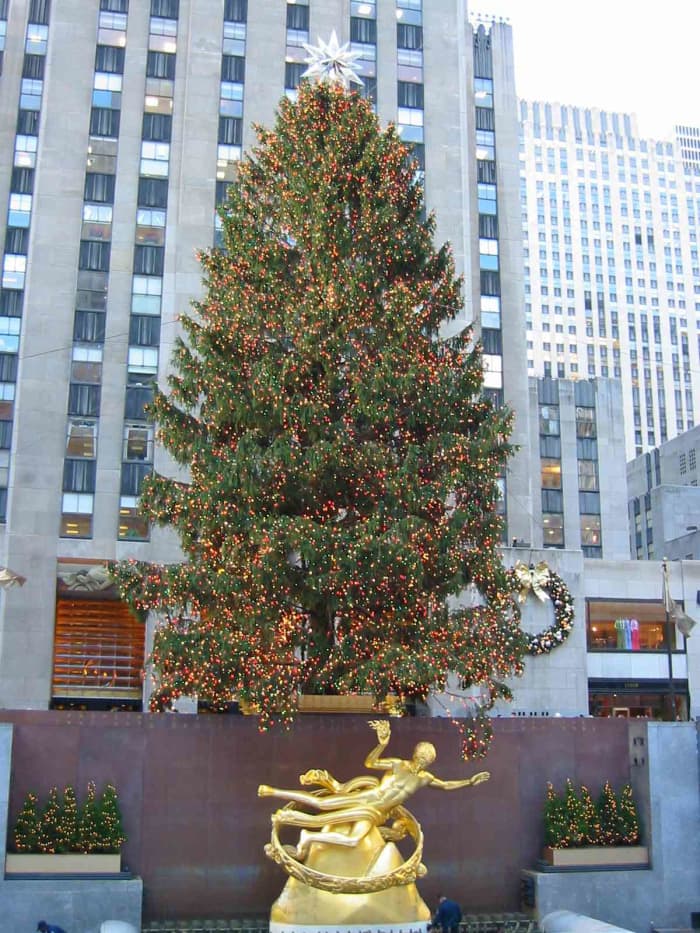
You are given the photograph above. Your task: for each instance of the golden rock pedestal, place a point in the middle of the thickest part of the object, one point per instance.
(301, 908)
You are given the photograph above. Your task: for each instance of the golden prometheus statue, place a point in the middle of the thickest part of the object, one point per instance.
(345, 868)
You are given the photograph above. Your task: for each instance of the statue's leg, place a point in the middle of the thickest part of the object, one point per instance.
(332, 802)
(329, 837)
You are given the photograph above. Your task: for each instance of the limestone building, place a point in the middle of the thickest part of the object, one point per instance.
(612, 276)
(120, 125)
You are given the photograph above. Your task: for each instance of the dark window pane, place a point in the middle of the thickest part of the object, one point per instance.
(89, 326)
(552, 500)
(144, 330)
(137, 398)
(409, 36)
(33, 67)
(491, 340)
(39, 11)
(8, 367)
(99, 188)
(17, 240)
(484, 119)
(153, 192)
(11, 302)
(5, 435)
(94, 256)
(22, 181)
(110, 58)
(148, 260)
(79, 475)
(297, 16)
(363, 30)
(168, 9)
(488, 226)
(410, 95)
(132, 477)
(292, 74)
(231, 131)
(156, 127)
(114, 6)
(232, 68)
(490, 283)
(160, 65)
(84, 400)
(28, 122)
(486, 171)
(221, 191)
(104, 122)
(235, 11)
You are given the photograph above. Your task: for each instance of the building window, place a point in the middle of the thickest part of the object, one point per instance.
(553, 530)
(161, 65)
(551, 474)
(625, 626)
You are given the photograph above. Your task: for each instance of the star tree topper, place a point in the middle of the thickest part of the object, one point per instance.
(332, 62)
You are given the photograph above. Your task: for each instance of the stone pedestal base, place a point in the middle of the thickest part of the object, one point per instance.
(417, 927)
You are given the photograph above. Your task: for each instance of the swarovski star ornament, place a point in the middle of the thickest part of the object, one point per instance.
(332, 62)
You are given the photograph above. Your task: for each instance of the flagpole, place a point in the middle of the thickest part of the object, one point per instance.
(669, 633)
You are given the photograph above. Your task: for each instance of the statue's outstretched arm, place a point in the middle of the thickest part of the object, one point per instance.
(383, 730)
(455, 785)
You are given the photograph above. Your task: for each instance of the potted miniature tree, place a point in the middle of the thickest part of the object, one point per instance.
(582, 834)
(64, 839)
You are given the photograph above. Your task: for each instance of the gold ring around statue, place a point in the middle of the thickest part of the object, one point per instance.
(406, 873)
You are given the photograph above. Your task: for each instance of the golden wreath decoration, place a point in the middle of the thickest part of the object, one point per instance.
(545, 584)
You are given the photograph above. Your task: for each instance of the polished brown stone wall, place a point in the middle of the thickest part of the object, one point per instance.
(196, 827)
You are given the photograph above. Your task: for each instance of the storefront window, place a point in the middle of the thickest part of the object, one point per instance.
(627, 626)
(650, 702)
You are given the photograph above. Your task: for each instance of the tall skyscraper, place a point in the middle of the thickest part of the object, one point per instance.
(120, 126)
(612, 275)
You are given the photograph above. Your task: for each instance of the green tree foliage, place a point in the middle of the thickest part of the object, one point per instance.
(629, 818)
(610, 826)
(50, 838)
(26, 831)
(591, 818)
(68, 822)
(89, 837)
(343, 460)
(111, 831)
(556, 823)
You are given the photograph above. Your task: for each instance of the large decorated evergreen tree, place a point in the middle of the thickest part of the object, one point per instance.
(343, 460)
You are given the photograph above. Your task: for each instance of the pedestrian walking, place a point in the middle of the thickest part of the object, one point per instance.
(448, 916)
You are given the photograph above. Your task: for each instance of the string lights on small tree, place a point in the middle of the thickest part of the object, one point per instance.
(343, 459)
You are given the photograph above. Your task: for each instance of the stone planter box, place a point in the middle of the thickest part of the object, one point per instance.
(597, 857)
(357, 703)
(70, 863)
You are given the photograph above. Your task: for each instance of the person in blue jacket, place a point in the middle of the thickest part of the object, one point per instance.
(44, 927)
(448, 916)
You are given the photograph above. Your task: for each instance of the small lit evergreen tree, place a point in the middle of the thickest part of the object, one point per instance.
(67, 839)
(27, 828)
(110, 829)
(629, 818)
(575, 816)
(89, 837)
(50, 838)
(343, 457)
(556, 823)
(591, 818)
(610, 826)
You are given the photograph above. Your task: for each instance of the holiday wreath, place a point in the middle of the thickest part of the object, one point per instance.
(545, 584)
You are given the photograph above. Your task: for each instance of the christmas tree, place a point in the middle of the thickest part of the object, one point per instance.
(556, 822)
(68, 822)
(342, 458)
(110, 826)
(629, 819)
(608, 809)
(28, 825)
(50, 835)
(591, 817)
(89, 837)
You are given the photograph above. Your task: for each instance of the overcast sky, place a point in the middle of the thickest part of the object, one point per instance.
(623, 55)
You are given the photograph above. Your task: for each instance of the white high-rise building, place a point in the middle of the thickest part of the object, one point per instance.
(612, 274)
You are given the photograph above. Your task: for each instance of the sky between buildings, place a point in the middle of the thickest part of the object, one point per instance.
(617, 55)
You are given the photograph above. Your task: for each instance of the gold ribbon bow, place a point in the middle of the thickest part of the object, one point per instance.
(531, 579)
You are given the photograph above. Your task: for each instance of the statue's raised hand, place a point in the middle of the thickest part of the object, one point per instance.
(383, 729)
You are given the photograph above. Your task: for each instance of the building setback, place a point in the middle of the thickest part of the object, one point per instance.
(120, 126)
(612, 275)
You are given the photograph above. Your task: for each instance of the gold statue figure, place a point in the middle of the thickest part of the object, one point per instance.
(351, 817)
